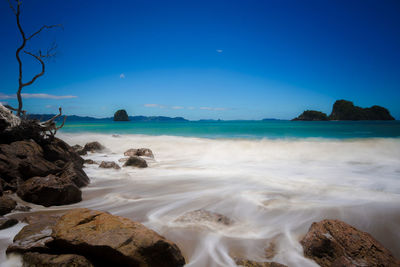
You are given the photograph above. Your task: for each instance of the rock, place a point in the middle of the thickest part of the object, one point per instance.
(136, 161)
(7, 118)
(76, 175)
(139, 152)
(335, 243)
(90, 161)
(79, 149)
(7, 204)
(112, 239)
(123, 160)
(249, 263)
(22, 208)
(109, 165)
(121, 115)
(345, 110)
(93, 147)
(57, 149)
(204, 216)
(49, 191)
(34, 259)
(7, 222)
(311, 115)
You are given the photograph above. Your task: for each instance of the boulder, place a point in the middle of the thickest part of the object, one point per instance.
(109, 165)
(7, 118)
(93, 147)
(73, 174)
(139, 152)
(90, 161)
(102, 238)
(49, 191)
(7, 204)
(335, 243)
(311, 115)
(201, 216)
(57, 149)
(249, 263)
(79, 149)
(136, 161)
(121, 115)
(7, 222)
(35, 259)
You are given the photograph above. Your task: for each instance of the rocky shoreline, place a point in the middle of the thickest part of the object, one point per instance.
(49, 172)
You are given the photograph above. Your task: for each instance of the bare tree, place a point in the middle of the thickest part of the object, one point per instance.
(39, 56)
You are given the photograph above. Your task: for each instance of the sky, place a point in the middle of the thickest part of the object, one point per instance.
(248, 59)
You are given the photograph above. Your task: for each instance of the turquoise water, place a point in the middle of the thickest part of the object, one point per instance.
(244, 129)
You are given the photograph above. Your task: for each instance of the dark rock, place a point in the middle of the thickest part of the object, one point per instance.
(311, 115)
(72, 173)
(136, 161)
(335, 243)
(79, 149)
(49, 191)
(249, 263)
(93, 147)
(7, 222)
(22, 208)
(139, 152)
(7, 204)
(35, 259)
(109, 165)
(345, 110)
(121, 115)
(204, 216)
(90, 161)
(57, 149)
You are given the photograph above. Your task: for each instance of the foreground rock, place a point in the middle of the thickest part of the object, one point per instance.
(34, 259)
(139, 152)
(249, 263)
(136, 161)
(121, 115)
(109, 165)
(7, 204)
(48, 191)
(335, 243)
(7, 222)
(103, 239)
(204, 217)
(311, 115)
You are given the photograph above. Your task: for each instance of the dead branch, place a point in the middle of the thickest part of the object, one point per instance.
(50, 126)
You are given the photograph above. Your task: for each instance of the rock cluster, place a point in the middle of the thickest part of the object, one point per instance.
(94, 238)
(45, 171)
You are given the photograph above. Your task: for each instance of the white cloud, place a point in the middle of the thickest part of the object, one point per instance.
(122, 76)
(154, 106)
(191, 108)
(177, 107)
(219, 50)
(211, 108)
(46, 96)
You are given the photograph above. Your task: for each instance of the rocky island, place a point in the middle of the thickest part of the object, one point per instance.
(344, 110)
(121, 115)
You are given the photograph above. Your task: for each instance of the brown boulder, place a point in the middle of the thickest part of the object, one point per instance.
(204, 217)
(34, 259)
(7, 204)
(114, 240)
(249, 263)
(90, 161)
(57, 149)
(136, 161)
(93, 147)
(49, 191)
(139, 152)
(109, 165)
(335, 243)
(79, 149)
(7, 222)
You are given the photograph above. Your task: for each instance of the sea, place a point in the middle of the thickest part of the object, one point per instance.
(270, 179)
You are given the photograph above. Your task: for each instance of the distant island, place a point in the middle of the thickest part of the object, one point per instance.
(344, 110)
(44, 117)
(121, 115)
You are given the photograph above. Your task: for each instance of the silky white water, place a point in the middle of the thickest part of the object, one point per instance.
(272, 190)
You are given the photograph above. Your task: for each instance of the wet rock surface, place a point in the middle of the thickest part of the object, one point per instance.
(249, 263)
(135, 161)
(146, 152)
(109, 165)
(102, 238)
(7, 204)
(204, 217)
(335, 243)
(7, 222)
(34, 259)
(93, 147)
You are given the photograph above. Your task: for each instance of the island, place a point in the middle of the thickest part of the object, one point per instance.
(344, 110)
(121, 115)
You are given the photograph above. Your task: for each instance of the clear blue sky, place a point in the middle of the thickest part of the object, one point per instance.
(207, 59)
